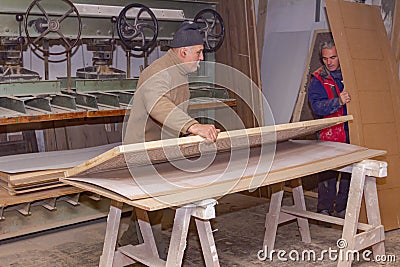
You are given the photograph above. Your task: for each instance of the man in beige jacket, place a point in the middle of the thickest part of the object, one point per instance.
(160, 110)
(160, 106)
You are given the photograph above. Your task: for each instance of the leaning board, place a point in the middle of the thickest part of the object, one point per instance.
(371, 77)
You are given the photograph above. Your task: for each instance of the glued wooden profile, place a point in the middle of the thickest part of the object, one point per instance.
(156, 151)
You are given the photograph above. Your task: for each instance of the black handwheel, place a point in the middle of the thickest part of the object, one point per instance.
(47, 24)
(138, 33)
(212, 26)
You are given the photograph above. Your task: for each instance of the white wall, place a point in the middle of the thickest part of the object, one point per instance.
(288, 34)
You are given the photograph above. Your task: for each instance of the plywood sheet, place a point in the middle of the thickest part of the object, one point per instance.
(293, 159)
(7, 200)
(31, 178)
(29, 189)
(49, 160)
(152, 152)
(370, 75)
(239, 50)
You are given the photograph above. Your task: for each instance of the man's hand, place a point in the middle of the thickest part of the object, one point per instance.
(207, 131)
(344, 98)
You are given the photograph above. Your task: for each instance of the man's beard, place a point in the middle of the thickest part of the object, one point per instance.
(194, 66)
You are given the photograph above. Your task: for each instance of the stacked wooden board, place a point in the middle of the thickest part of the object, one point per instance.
(37, 171)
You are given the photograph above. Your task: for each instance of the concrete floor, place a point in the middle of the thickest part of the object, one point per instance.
(239, 232)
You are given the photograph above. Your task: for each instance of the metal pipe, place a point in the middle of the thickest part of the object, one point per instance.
(46, 47)
(128, 64)
(69, 82)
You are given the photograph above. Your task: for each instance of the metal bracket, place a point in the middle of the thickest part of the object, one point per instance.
(50, 204)
(42, 104)
(64, 101)
(26, 210)
(95, 197)
(72, 199)
(125, 97)
(108, 99)
(83, 99)
(1, 214)
(13, 103)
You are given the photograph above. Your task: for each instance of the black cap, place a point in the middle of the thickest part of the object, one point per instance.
(188, 34)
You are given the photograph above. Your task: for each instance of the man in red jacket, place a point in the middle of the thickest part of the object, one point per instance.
(328, 99)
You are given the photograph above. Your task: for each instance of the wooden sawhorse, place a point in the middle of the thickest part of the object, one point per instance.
(146, 252)
(363, 182)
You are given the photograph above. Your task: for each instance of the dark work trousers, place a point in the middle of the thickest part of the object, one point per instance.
(329, 198)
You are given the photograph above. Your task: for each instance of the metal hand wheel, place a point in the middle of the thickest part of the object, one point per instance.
(46, 25)
(137, 32)
(212, 26)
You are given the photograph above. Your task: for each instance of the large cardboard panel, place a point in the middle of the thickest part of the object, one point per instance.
(389, 203)
(381, 111)
(359, 46)
(370, 75)
(381, 136)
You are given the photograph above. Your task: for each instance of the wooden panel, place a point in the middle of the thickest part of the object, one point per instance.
(224, 169)
(381, 136)
(395, 39)
(362, 42)
(219, 189)
(389, 203)
(60, 135)
(88, 135)
(144, 153)
(371, 77)
(381, 111)
(361, 46)
(7, 200)
(50, 139)
(29, 189)
(38, 171)
(354, 15)
(261, 22)
(49, 160)
(239, 49)
(32, 178)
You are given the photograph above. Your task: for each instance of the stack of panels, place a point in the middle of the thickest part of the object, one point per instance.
(37, 171)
